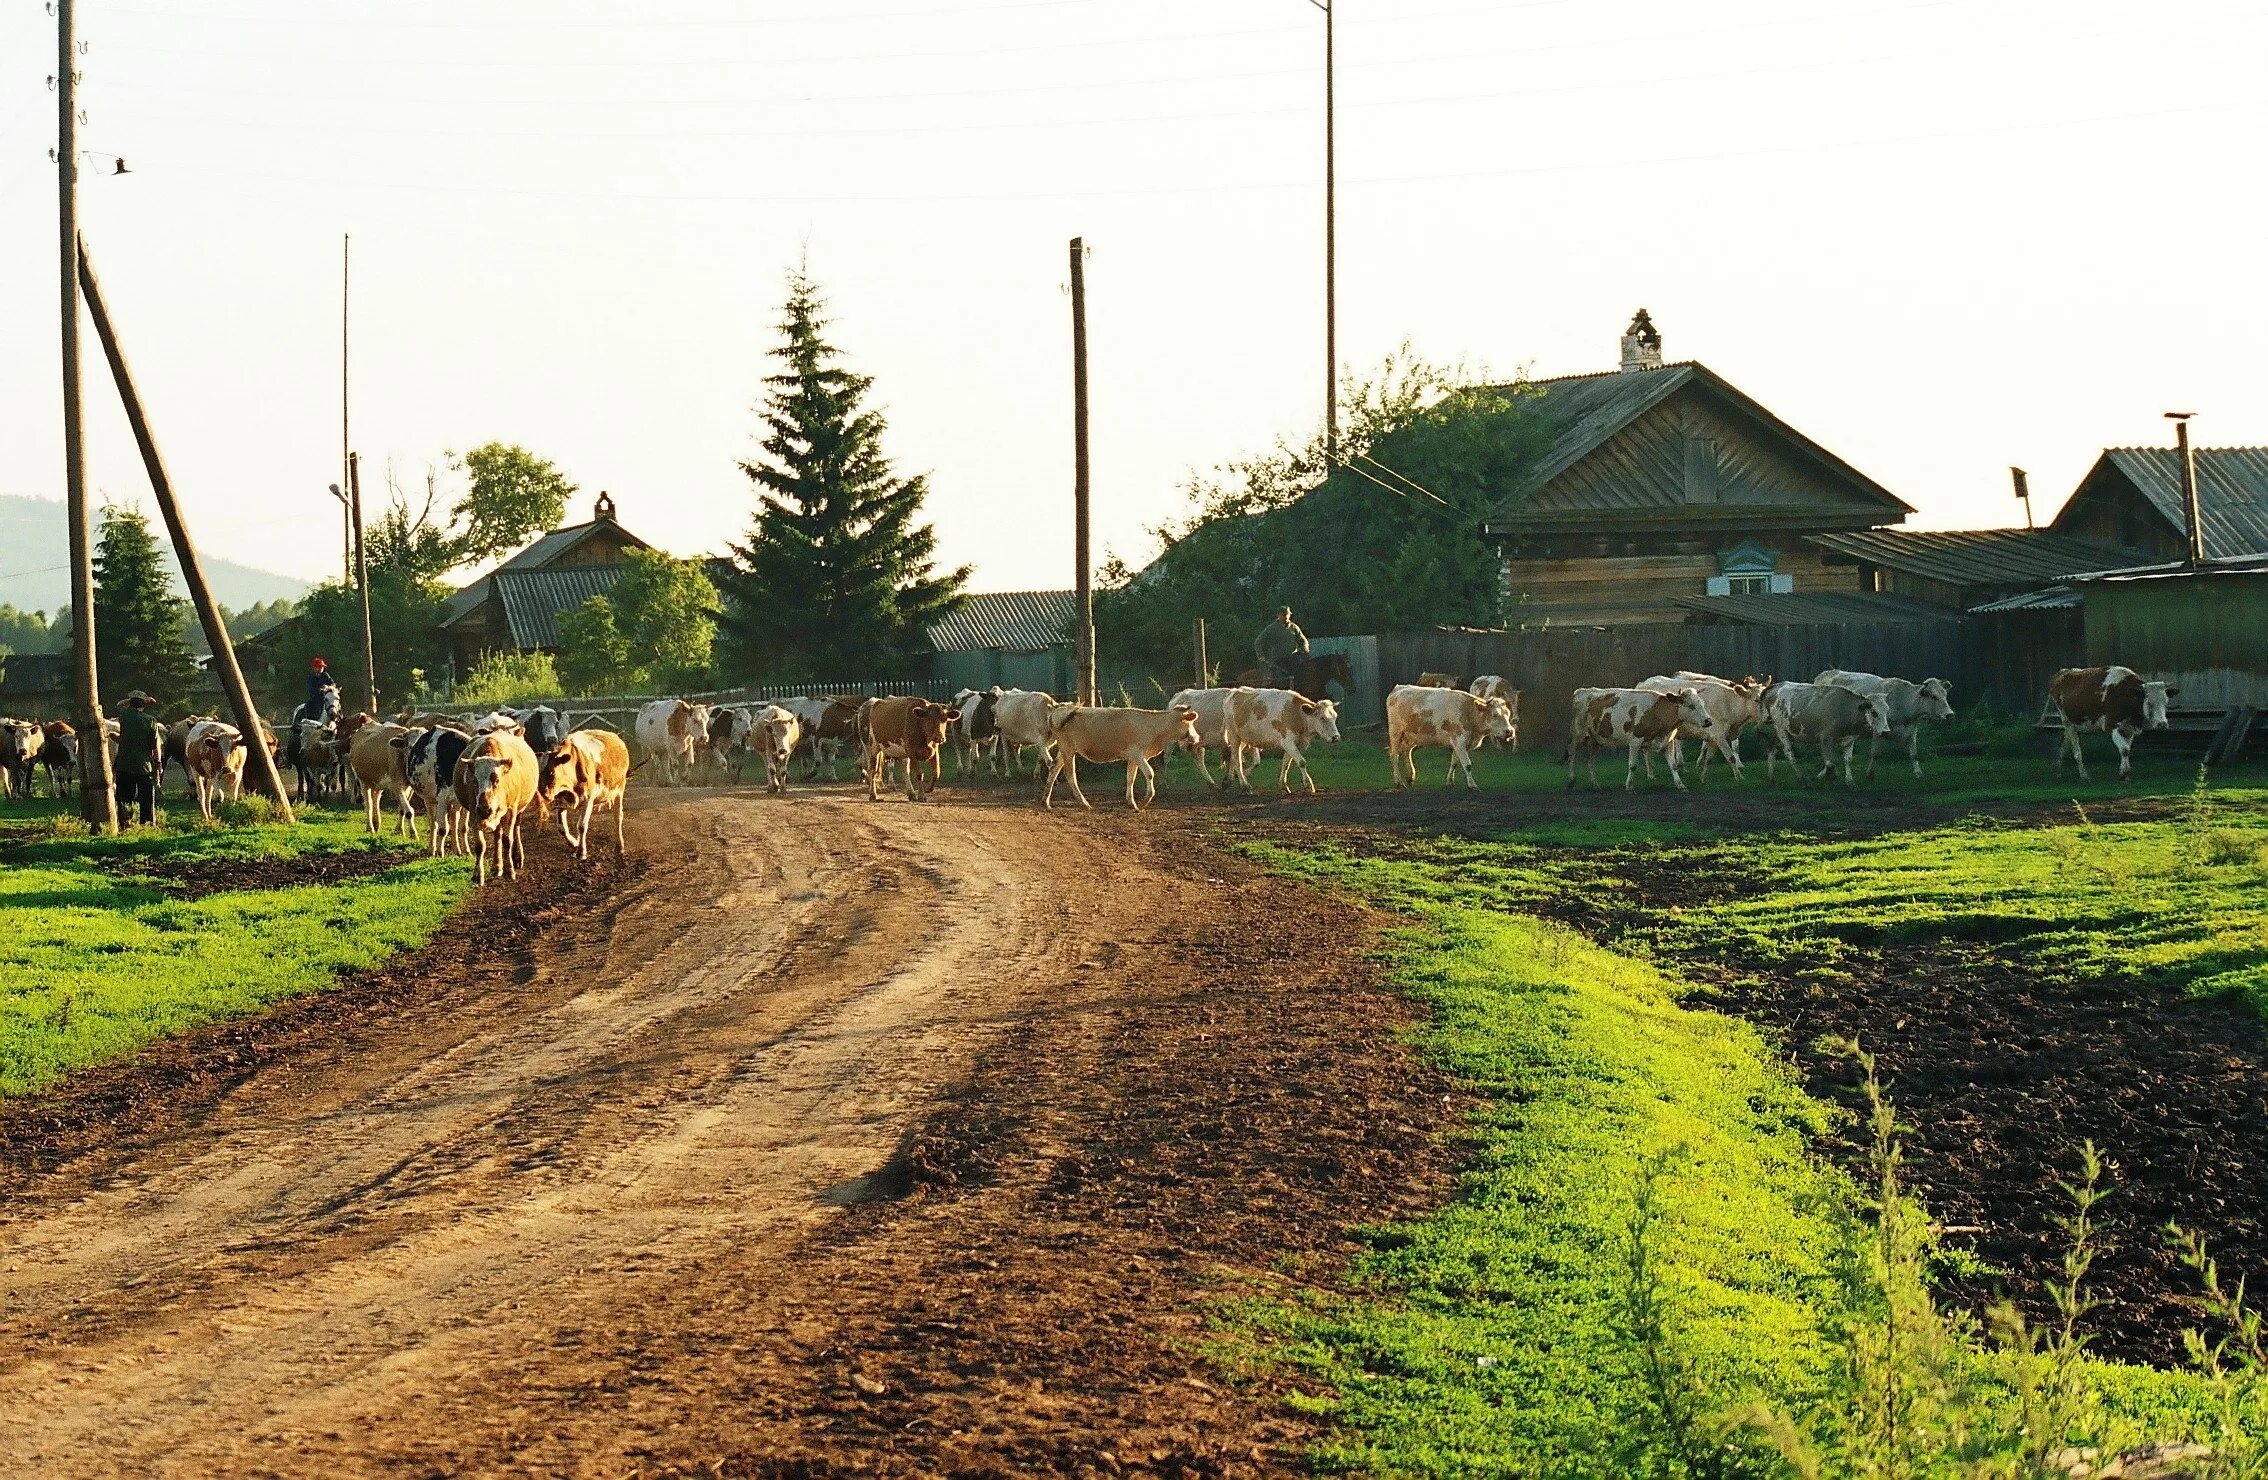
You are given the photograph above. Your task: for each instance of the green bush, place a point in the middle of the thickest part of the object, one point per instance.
(511, 678)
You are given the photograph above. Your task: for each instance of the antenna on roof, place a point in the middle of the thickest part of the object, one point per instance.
(2023, 482)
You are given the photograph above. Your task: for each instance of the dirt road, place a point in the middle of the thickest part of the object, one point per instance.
(832, 1136)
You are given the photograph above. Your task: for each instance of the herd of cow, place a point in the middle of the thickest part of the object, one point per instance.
(480, 781)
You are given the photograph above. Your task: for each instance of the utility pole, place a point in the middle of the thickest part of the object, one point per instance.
(262, 763)
(362, 584)
(346, 442)
(1084, 653)
(98, 800)
(1330, 242)
(2192, 515)
(1203, 667)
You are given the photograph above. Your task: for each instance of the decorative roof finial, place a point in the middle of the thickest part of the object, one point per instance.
(604, 508)
(1641, 344)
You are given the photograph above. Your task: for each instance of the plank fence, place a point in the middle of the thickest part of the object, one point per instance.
(619, 712)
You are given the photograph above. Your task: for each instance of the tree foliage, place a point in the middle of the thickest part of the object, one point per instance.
(837, 571)
(667, 611)
(30, 631)
(138, 641)
(1351, 547)
(512, 494)
(594, 656)
(510, 678)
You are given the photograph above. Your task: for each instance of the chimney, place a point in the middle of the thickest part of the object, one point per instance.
(604, 507)
(1641, 344)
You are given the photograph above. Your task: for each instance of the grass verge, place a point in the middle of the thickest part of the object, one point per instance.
(97, 960)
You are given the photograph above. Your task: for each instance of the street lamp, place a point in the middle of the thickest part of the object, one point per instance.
(346, 534)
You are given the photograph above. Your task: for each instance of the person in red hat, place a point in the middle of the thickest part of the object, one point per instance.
(322, 693)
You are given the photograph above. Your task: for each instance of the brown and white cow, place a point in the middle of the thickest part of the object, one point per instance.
(1131, 737)
(732, 738)
(2115, 700)
(1437, 681)
(830, 726)
(674, 735)
(59, 757)
(589, 769)
(495, 787)
(1491, 686)
(381, 767)
(1638, 720)
(778, 733)
(213, 754)
(1833, 716)
(1419, 717)
(1261, 720)
(21, 741)
(1733, 705)
(177, 743)
(911, 730)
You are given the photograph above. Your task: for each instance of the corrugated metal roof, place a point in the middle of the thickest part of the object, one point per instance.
(2232, 565)
(1005, 621)
(2049, 599)
(1591, 409)
(1976, 557)
(541, 553)
(2232, 492)
(1799, 608)
(534, 600)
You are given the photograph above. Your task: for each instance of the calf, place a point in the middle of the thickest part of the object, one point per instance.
(1418, 717)
(495, 787)
(2114, 699)
(732, 735)
(977, 733)
(1637, 719)
(585, 771)
(380, 756)
(214, 756)
(1132, 736)
(674, 734)
(778, 732)
(1732, 707)
(1211, 706)
(59, 757)
(1829, 713)
(912, 730)
(1261, 720)
(1906, 704)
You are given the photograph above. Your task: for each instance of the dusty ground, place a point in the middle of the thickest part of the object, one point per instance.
(824, 1137)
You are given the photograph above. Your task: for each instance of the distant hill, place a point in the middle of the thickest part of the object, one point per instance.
(35, 558)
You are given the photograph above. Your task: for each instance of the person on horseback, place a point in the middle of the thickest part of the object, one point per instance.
(1282, 650)
(322, 706)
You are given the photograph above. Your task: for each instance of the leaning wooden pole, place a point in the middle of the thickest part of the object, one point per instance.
(262, 763)
(1083, 591)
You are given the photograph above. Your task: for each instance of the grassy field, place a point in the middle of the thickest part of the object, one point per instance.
(101, 951)
(1500, 1336)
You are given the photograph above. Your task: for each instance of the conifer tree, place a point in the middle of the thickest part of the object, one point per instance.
(138, 619)
(838, 573)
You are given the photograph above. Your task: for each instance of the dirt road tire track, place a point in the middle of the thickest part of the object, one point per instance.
(834, 1138)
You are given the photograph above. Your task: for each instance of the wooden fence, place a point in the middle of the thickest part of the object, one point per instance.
(1997, 663)
(619, 712)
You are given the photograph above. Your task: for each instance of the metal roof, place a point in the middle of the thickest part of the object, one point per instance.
(1591, 409)
(534, 600)
(1005, 621)
(2232, 492)
(2233, 565)
(541, 553)
(2054, 598)
(1801, 608)
(1976, 557)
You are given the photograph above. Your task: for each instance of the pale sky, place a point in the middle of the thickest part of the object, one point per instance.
(1940, 238)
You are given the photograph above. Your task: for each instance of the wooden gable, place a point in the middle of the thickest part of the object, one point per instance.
(1686, 451)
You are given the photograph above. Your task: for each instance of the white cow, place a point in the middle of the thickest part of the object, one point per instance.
(1827, 713)
(1733, 707)
(1022, 715)
(1261, 720)
(1905, 702)
(674, 735)
(1211, 708)
(1420, 715)
(778, 732)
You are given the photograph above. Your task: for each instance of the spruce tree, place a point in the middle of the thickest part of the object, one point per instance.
(138, 619)
(838, 576)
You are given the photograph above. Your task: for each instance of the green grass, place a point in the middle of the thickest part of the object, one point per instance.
(96, 962)
(1489, 1338)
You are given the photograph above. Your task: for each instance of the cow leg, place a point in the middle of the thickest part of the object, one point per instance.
(2122, 740)
(1197, 753)
(1637, 748)
(1150, 781)
(1293, 757)
(2073, 738)
(1676, 759)
(621, 805)
(1461, 759)
(1571, 748)
(1873, 749)
(1732, 755)
(1913, 750)
(1133, 770)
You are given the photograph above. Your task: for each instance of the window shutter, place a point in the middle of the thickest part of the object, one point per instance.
(1719, 586)
(1782, 583)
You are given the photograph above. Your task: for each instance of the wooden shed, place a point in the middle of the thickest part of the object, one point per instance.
(2132, 497)
(1016, 639)
(2204, 628)
(516, 607)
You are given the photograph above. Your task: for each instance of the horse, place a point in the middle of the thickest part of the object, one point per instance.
(1311, 675)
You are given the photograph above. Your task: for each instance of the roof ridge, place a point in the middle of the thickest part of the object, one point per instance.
(2169, 451)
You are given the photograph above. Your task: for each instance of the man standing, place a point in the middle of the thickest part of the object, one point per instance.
(141, 750)
(1282, 650)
